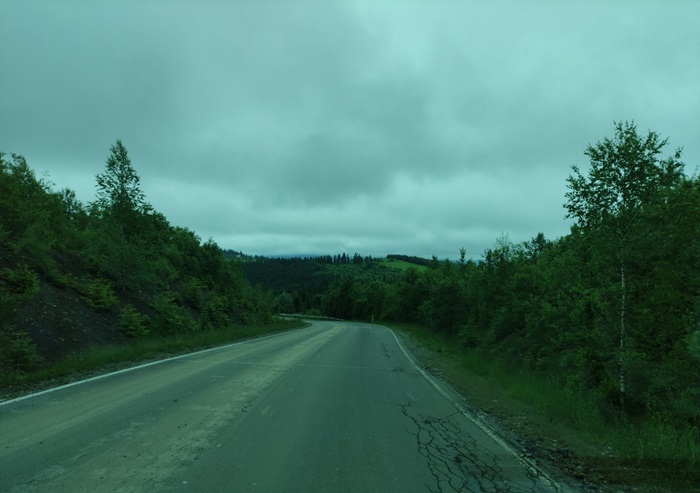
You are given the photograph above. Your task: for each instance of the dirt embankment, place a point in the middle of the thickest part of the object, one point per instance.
(60, 322)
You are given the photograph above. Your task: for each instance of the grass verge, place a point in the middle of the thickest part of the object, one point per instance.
(651, 455)
(110, 358)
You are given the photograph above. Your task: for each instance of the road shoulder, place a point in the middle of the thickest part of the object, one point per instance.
(486, 408)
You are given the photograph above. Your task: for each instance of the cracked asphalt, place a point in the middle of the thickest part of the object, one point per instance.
(334, 407)
(462, 461)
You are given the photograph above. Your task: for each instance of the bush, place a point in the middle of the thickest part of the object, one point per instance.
(171, 318)
(16, 287)
(283, 303)
(17, 352)
(21, 282)
(193, 293)
(98, 294)
(214, 316)
(132, 323)
(694, 343)
(468, 336)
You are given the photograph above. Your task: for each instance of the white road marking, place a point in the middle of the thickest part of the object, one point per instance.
(478, 422)
(132, 368)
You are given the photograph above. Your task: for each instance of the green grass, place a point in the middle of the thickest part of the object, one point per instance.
(653, 454)
(106, 358)
(401, 265)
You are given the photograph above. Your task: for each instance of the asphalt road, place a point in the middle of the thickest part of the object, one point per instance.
(336, 407)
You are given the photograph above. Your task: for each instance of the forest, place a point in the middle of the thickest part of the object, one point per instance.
(75, 275)
(611, 310)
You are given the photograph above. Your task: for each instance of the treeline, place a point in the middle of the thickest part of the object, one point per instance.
(289, 274)
(116, 255)
(299, 284)
(612, 309)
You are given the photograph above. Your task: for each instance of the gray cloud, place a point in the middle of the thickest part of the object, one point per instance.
(314, 127)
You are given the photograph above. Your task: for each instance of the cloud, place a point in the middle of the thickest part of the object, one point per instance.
(311, 127)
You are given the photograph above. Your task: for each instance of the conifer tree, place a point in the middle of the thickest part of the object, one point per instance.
(119, 193)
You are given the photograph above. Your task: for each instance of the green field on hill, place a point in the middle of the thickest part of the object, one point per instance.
(400, 264)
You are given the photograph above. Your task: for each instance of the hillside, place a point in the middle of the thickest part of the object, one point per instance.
(57, 318)
(75, 276)
(402, 265)
(301, 285)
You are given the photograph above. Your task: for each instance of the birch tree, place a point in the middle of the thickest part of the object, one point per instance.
(626, 175)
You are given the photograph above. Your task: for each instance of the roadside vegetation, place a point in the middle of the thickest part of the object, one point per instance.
(598, 330)
(653, 454)
(76, 278)
(99, 359)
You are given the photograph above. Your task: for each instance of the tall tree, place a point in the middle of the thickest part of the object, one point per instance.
(118, 189)
(626, 175)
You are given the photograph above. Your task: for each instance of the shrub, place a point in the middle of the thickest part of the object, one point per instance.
(17, 352)
(98, 294)
(171, 318)
(214, 316)
(193, 293)
(468, 336)
(16, 287)
(132, 323)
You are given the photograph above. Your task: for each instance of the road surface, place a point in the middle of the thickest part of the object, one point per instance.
(335, 407)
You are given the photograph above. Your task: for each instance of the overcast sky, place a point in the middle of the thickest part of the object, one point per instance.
(307, 127)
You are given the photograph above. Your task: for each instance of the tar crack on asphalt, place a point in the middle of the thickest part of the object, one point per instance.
(458, 463)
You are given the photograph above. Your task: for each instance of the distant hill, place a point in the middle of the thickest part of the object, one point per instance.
(409, 259)
(308, 279)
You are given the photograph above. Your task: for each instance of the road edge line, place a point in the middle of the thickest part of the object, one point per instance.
(132, 368)
(533, 467)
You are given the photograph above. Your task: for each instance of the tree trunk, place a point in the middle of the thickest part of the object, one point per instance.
(623, 307)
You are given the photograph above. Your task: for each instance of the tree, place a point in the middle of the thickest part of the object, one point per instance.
(118, 190)
(626, 176)
(283, 303)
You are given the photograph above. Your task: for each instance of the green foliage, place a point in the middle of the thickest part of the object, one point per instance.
(610, 310)
(625, 175)
(468, 336)
(215, 314)
(132, 323)
(149, 347)
(119, 194)
(194, 293)
(283, 303)
(395, 263)
(98, 294)
(171, 318)
(30, 214)
(18, 352)
(117, 250)
(693, 342)
(21, 282)
(648, 446)
(17, 286)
